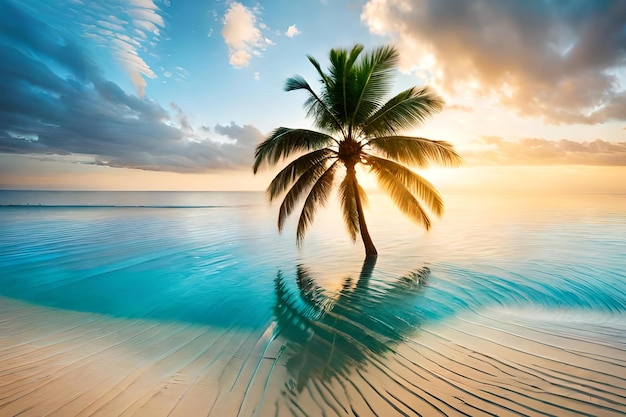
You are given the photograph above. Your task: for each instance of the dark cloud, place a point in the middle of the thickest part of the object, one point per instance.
(83, 113)
(182, 118)
(534, 151)
(244, 135)
(561, 60)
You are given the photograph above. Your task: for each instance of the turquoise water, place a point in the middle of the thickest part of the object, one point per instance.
(494, 286)
(213, 258)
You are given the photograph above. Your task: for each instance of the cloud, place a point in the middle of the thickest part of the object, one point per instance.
(240, 58)
(128, 29)
(245, 135)
(55, 100)
(460, 107)
(183, 121)
(561, 61)
(494, 150)
(292, 31)
(242, 35)
(143, 23)
(180, 73)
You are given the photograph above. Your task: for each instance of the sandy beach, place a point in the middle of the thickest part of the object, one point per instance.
(63, 363)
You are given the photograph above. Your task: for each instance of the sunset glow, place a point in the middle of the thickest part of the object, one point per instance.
(156, 96)
(325, 208)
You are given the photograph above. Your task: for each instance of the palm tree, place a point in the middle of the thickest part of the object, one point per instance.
(356, 127)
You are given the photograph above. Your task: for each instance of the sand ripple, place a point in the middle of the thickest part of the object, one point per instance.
(496, 362)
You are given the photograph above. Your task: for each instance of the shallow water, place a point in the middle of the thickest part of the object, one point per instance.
(215, 260)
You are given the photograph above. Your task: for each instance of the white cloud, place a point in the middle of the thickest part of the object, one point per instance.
(256, 76)
(181, 72)
(292, 31)
(112, 25)
(143, 17)
(126, 53)
(129, 27)
(146, 4)
(240, 58)
(242, 35)
(559, 61)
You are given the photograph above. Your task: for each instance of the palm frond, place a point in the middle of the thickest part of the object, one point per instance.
(419, 186)
(348, 204)
(297, 82)
(342, 61)
(340, 92)
(299, 188)
(416, 151)
(285, 178)
(318, 196)
(316, 107)
(284, 141)
(323, 77)
(320, 112)
(406, 110)
(399, 185)
(373, 81)
(348, 207)
(354, 54)
(349, 86)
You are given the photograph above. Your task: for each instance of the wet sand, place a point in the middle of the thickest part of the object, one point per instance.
(494, 362)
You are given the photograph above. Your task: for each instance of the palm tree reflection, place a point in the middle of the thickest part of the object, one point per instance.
(330, 335)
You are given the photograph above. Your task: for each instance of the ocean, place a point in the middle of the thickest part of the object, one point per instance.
(192, 303)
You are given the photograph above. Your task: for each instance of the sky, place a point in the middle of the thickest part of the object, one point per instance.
(175, 95)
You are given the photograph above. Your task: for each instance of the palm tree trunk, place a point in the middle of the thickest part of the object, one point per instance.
(370, 249)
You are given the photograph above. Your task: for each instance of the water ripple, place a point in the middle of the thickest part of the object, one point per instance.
(210, 312)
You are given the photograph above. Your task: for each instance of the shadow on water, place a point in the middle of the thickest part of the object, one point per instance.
(329, 335)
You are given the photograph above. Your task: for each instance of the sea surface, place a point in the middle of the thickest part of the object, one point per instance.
(550, 265)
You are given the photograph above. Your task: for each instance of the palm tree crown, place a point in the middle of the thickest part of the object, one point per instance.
(356, 126)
